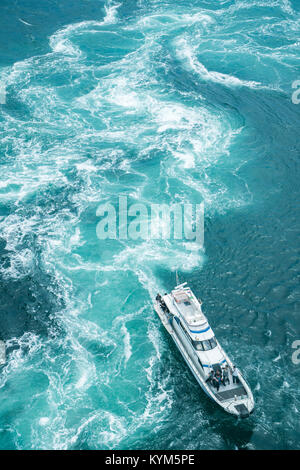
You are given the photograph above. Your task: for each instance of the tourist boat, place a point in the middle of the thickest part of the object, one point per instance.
(182, 316)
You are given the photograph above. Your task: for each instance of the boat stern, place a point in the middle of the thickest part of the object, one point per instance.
(241, 409)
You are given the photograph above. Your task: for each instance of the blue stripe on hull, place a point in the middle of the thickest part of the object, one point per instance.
(200, 331)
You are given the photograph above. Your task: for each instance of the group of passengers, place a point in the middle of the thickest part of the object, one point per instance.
(162, 303)
(221, 376)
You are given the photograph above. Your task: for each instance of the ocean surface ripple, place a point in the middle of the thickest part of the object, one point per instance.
(164, 102)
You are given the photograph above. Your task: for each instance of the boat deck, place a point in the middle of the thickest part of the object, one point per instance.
(224, 395)
(230, 390)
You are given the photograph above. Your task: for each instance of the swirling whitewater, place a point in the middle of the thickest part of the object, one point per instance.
(163, 102)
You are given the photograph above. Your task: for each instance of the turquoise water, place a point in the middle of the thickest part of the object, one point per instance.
(163, 102)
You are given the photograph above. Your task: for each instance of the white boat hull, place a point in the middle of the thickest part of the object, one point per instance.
(235, 405)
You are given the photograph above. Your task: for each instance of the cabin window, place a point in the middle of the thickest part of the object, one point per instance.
(205, 345)
(198, 345)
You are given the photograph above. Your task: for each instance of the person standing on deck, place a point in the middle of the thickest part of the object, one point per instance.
(225, 375)
(235, 377)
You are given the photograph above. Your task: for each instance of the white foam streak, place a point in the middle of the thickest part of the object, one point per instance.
(111, 10)
(81, 146)
(187, 53)
(60, 42)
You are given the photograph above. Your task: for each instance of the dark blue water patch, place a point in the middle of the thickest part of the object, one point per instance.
(295, 5)
(104, 46)
(81, 443)
(28, 303)
(14, 107)
(272, 171)
(19, 41)
(6, 208)
(240, 249)
(191, 88)
(54, 199)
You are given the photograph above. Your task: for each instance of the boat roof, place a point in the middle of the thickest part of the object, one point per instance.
(189, 309)
(188, 306)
